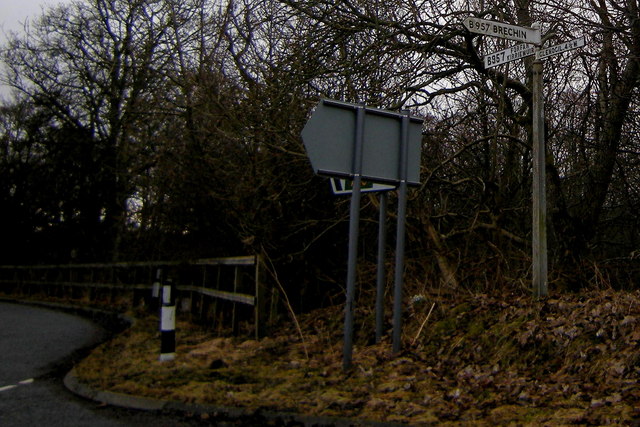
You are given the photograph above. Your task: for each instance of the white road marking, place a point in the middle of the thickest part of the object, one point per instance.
(10, 387)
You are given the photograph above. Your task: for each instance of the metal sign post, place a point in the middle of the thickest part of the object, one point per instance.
(380, 277)
(400, 235)
(353, 240)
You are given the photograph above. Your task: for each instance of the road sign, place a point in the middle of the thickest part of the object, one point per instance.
(358, 142)
(329, 138)
(345, 186)
(504, 31)
(559, 48)
(508, 55)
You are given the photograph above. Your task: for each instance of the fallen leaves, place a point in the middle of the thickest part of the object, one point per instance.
(492, 360)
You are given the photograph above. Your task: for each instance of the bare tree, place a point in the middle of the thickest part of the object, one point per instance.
(93, 65)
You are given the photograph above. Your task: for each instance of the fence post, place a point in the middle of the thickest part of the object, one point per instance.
(234, 319)
(259, 307)
(168, 322)
(155, 292)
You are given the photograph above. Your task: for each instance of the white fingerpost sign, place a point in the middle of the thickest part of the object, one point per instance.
(501, 30)
(559, 48)
(507, 55)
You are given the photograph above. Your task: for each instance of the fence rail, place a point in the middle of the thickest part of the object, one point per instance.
(223, 291)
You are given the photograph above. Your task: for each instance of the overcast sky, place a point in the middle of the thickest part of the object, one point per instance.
(13, 14)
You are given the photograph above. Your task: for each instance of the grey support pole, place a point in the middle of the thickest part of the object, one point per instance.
(168, 323)
(354, 221)
(539, 187)
(402, 212)
(382, 243)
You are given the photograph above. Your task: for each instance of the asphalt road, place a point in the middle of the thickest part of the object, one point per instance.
(37, 347)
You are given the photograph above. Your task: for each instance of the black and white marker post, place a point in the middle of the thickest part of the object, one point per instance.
(168, 322)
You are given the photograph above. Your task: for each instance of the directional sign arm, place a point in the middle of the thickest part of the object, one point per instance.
(501, 30)
(508, 55)
(559, 48)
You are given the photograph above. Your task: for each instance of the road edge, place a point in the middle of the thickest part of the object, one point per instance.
(72, 382)
(116, 323)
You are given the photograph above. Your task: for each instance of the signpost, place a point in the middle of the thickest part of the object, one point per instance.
(357, 142)
(532, 36)
(540, 286)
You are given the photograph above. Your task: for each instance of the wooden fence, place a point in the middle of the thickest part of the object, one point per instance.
(226, 292)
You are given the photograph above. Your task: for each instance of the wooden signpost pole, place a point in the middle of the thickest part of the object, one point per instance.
(539, 243)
